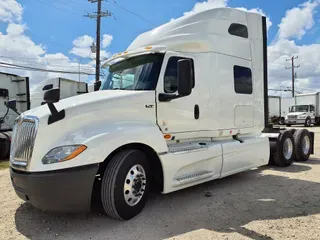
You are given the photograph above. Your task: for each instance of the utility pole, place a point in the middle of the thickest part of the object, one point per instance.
(293, 73)
(98, 16)
(79, 69)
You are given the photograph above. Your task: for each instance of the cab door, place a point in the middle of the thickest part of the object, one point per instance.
(180, 115)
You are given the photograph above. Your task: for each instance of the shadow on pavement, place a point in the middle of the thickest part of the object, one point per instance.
(235, 202)
(312, 161)
(294, 168)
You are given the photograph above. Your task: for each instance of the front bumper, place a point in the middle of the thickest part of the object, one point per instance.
(295, 121)
(67, 190)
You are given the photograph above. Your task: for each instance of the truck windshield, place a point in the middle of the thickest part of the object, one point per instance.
(136, 73)
(299, 108)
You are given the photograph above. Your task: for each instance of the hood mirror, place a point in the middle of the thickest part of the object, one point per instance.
(50, 97)
(12, 104)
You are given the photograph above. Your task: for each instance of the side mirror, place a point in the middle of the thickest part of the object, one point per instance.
(185, 77)
(52, 95)
(97, 85)
(12, 104)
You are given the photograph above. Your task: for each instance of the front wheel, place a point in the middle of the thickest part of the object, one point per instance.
(307, 122)
(125, 185)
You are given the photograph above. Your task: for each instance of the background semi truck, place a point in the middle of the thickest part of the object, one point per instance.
(16, 88)
(305, 110)
(186, 103)
(12, 87)
(68, 88)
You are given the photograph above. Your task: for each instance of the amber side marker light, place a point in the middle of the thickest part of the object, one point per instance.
(167, 136)
(75, 153)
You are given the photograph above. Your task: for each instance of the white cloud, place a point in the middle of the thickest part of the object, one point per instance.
(83, 41)
(107, 39)
(15, 43)
(258, 10)
(295, 24)
(19, 49)
(15, 29)
(308, 59)
(297, 21)
(10, 11)
(82, 44)
(202, 6)
(210, 4)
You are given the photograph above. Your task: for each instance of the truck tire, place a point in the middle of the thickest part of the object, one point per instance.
(125, 185)
(284, 153)
(307, 123)
(4, 146)
(281, 121)
(302, 142)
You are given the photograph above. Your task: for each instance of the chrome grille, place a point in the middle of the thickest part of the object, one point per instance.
(23, 138)
(292, 117)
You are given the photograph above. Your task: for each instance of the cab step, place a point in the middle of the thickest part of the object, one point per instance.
(193, 177)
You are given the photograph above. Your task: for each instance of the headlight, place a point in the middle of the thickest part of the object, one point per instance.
(303, 116)
(64, 153)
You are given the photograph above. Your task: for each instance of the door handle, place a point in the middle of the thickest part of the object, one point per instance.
(196, 111)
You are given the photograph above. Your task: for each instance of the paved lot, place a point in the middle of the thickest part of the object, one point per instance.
(266, 203)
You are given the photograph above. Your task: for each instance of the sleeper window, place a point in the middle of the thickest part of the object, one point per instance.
(242, 80)
(171, 75)
(238, 30)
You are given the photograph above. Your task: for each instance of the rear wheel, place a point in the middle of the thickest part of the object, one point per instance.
(125, 185)
(302, 141)
(285, 149)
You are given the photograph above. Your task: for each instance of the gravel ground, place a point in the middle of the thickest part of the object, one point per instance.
(266, 203)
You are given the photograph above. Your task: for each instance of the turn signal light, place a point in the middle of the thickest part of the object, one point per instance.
(167, 136)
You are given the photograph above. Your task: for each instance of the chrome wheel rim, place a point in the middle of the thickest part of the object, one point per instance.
(305, 145)
(134, 185)
(287, 148)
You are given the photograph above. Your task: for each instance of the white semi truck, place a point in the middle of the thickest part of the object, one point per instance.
(186, 103)
(306, 110)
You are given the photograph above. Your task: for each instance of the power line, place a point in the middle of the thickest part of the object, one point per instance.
(127, 24)
(61, 67)
(39, 69)
(39, 63)
(52, 6)
(64, 3)
(129, 11)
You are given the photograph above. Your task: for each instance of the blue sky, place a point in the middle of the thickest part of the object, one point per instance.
(57, 23)
(45, 31)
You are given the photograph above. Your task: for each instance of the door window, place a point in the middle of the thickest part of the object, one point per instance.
(312, 109)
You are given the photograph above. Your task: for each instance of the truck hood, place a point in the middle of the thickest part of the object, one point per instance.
(296, 113)
(98, 100)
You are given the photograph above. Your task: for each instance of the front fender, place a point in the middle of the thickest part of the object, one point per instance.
(101, 140)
